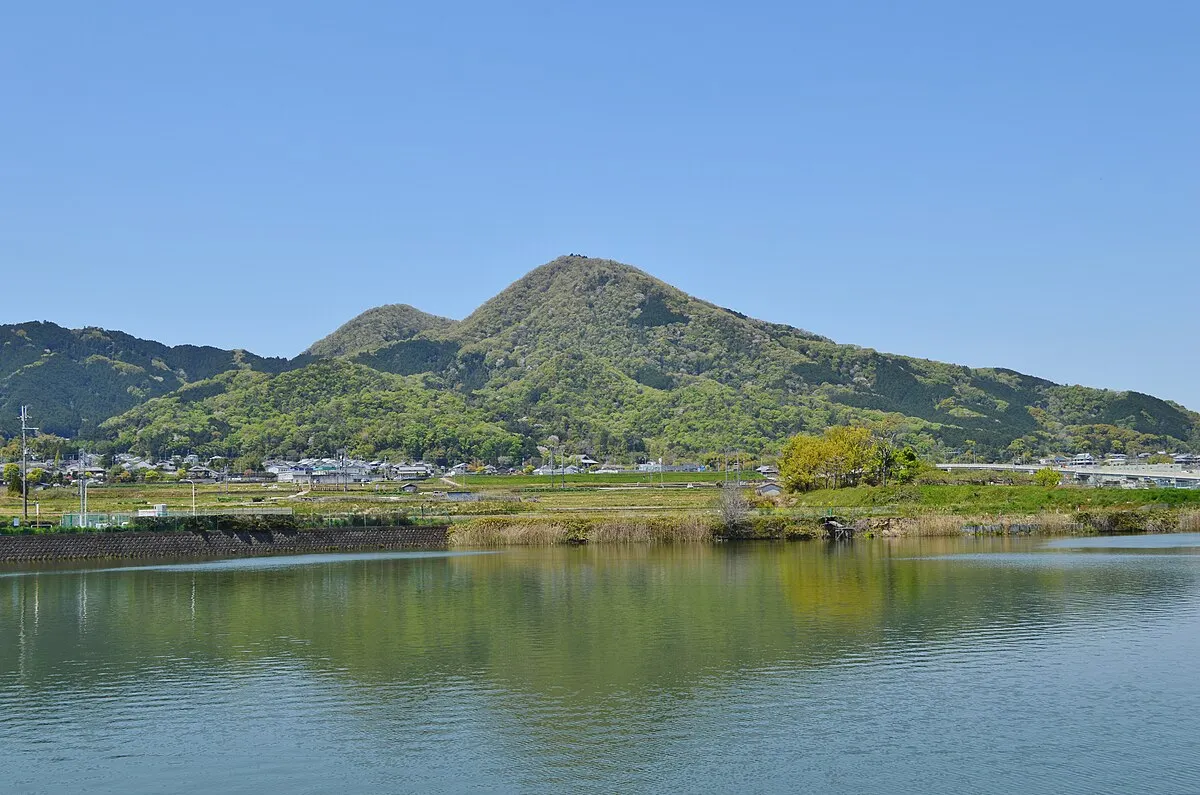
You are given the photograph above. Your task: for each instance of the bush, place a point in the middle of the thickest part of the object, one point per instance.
(1047, 477)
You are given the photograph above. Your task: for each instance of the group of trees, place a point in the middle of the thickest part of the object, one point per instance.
(37, 475)
(846, 455)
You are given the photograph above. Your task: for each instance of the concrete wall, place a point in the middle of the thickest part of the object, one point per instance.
(77, 546)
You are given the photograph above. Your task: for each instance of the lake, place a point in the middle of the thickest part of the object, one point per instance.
(986, 665)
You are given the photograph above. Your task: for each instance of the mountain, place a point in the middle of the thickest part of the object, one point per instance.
(376, 328)
(617, 363)
(76, 378)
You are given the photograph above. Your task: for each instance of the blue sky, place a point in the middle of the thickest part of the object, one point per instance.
(1010, 184)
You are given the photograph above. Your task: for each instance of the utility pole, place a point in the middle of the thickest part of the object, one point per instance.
(193, 494)
(25, 464)
(82, 488)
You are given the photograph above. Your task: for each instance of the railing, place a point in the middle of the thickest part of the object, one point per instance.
(104, 521)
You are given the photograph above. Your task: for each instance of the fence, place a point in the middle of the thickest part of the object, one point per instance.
(116, 521)
(96, 521)
(233, 519)
(357, 520)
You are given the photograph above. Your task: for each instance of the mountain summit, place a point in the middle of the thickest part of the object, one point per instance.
(375, 328)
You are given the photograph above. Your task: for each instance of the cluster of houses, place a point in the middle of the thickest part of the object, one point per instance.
(310, 471)
(327, 471)
(91, 466)
(191, 466)
(334, 471)
(1186, 460)
(591, 466)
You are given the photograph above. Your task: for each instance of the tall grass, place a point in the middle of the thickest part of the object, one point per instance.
(957, 525)
(529, 531)
(672, 530)
(690, 528)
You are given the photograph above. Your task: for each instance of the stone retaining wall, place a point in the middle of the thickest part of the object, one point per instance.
(77, 546)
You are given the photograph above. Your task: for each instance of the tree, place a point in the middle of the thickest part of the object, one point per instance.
(247, 464)
(908, 465)
(850, 449)
(840, 457)
(1019, 450)
(37, 475)
(801, 461)
(1047, 477)
(887, 433)
(733, 506)
(12, 476)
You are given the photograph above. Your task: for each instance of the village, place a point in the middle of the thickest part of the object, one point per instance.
(131, 468)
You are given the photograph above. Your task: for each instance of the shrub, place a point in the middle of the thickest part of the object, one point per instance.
(1047, 477)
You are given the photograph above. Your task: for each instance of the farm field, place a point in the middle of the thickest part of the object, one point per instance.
(585, 496)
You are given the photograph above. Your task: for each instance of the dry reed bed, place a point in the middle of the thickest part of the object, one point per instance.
(956, 525)
(691, 528)
(529, 531)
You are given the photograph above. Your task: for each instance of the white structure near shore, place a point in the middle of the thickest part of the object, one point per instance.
(1144, 476)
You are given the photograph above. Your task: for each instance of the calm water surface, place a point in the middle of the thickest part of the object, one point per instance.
(919, 666)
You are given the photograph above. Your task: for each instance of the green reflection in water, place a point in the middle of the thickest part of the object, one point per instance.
(567, 665)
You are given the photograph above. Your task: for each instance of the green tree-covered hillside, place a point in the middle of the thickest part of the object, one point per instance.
(320, 408)
(376, 328)
(618, 363)
(608, 359)
(74, 379)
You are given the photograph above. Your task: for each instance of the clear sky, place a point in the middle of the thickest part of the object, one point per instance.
(1012, 184)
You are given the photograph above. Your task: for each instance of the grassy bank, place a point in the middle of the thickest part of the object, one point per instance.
(1018, 499)
(696, 527)
(508, 512)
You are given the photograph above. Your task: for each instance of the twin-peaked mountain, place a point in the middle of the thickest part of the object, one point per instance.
(609, 359)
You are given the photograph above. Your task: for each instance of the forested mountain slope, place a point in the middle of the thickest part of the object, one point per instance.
(73, 379)
(617, 363)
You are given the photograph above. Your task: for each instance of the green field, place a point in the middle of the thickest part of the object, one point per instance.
(601, 496)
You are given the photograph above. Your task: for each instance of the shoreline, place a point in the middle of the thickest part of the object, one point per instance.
(204, 545)
(515, 531)
(541, 531)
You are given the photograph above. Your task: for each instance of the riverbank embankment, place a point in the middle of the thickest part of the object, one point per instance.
(214, 544)
(695, 527)
(535, 531)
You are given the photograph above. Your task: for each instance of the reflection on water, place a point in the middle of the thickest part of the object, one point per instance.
(241, 564)
(1170, 541)
(932, 665)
